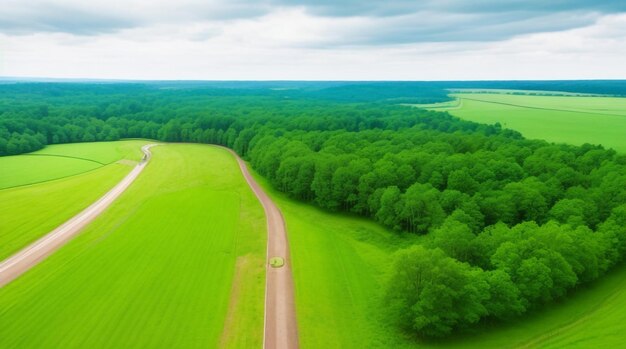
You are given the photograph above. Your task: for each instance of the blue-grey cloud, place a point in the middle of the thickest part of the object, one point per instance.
(342, 8)
(55, 18)
(97, 16)
(408, 21)
(428, 27)
(386, 22)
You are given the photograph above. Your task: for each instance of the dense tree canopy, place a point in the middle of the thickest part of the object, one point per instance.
(510, 223)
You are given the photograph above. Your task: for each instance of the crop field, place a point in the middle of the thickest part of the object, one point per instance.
(562, 119)
(60, 161)
(341, 264)
(176, 261)
(28, 212)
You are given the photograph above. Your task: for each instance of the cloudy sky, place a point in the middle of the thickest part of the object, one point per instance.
(313, 39)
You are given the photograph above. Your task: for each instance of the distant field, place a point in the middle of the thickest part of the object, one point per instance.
(177, 261)
(561, 119)
(59, 161)
(340, 265)
(518, 92)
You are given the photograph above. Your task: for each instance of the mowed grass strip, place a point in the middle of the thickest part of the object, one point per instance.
(573, 120)
(156, 269)
(64, 160)
(341, 265)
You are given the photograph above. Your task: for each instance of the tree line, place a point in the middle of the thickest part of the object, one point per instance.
(509, 223)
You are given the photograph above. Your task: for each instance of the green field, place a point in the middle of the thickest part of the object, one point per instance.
(103, 152)
(176, 261)
(63, 160)
(340, 264)
(28, 212)
(561, 119)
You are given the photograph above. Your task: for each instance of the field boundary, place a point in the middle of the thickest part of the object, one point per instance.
(56, 179)
(67, 156)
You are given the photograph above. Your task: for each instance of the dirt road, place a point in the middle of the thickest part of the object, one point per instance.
(22, 261)
(280, 330)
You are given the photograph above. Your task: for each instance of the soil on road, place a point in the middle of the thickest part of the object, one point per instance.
(22, 261)
(280, 330)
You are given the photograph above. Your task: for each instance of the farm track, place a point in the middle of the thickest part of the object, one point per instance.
(280, 325)
(22, 261)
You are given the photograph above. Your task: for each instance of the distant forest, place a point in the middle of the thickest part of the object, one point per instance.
(511, 224)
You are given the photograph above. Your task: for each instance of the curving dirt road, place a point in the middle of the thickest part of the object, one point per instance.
(280, 329)
(22, 261)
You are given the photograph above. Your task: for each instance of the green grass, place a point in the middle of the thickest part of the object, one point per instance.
(63, 160)
(176, 261)
(104, 152)
(340, 267)
(26, 169)
(277, 262)
(28, 212)
(561, 119)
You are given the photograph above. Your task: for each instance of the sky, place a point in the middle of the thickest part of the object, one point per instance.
(313, 39)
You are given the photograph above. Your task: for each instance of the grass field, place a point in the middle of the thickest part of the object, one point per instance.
(103, 152)
(177, 261)
(28, 212)
(63, 160)
(340, 265)
(561, 119)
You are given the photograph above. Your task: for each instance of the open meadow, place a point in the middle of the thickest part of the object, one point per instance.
(176, 261)
(561, 119)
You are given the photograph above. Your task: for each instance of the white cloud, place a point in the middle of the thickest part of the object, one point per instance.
(293, 43)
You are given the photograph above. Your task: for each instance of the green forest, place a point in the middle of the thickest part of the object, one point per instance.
(510, 224)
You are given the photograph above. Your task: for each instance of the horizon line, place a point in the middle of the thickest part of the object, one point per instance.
(90, 79)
